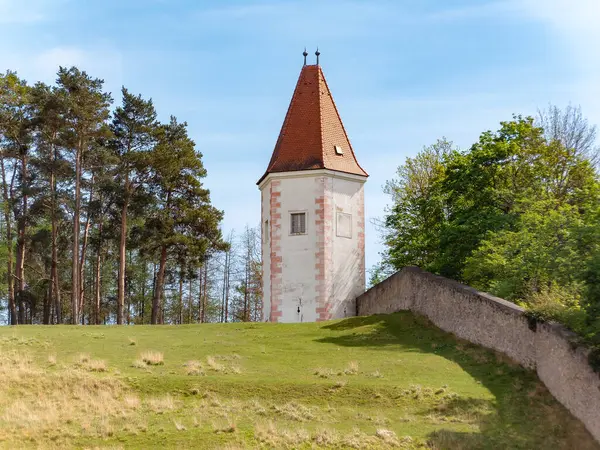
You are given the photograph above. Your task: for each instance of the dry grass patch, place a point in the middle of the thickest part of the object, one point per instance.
(387, 436)
(257, 407)
(161, 405)
(194, 368)
(56, 401)
(339, 384)
(214, 364)
(278, 437)
(326, 437)
(272, 435)
(352, 368)
(131, 401)
(96, 365)
(152, 358)
(82, 358)
(324, 372)
(227, 425)
(139, 364)
(295, 411)
(179, 426)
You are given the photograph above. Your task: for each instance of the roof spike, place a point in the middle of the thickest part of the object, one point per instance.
(317, 53)
(305, 54)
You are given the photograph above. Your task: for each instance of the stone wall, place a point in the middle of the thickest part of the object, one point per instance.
(497, 324)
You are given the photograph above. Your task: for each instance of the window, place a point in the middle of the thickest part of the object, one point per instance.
(344, 225)
(338, 150)
(298, 223)
(266, 231)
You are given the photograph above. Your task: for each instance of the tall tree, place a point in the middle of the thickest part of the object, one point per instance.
(570, 127)
(412, 227)
(16, 139)
(134, 128)
(182, 218)
(52, 167)
(86, 112)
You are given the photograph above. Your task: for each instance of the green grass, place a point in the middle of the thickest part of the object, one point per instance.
(374, 382)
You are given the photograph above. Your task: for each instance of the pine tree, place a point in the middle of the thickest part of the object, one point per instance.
(16, 139)
(86, 111)
(182, 218)
(133, 126)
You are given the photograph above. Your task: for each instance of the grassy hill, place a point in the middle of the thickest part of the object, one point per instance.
(374, 382)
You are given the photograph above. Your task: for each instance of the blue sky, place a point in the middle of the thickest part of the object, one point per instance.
(403, 72)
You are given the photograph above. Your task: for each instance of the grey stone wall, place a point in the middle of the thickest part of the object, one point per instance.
(497, 324)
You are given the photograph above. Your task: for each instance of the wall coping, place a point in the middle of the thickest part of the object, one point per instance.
(511, 308)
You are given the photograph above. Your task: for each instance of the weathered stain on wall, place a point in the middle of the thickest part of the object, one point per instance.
(483, 319)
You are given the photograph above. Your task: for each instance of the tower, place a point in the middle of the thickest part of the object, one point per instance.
(312, 212)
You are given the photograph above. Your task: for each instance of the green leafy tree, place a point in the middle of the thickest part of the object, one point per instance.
(418, 211)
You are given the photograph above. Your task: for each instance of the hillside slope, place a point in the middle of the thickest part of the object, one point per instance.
(374, 382)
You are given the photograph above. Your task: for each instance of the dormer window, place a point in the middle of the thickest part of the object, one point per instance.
(338, 150)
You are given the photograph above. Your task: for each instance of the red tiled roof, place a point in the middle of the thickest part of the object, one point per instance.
(311, 130)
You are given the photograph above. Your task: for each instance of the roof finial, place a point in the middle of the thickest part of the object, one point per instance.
(305, 54)
(317, 53)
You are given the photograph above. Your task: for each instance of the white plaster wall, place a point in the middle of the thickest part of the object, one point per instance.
(348, 278)
(299, 280)
(266, 250)
(298, 251)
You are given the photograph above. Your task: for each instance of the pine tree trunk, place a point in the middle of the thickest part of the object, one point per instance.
(128, 284)
(246, 285)
(47, 303)
(200, 295)
(76, 225)
(160, 279)
(9, 247)
(204, 293)
(84, 245)
(189, 320)
(180, 296)
(98, 278)
(21, 232)
(54, 265)
(227, 268)
(224, 288)
(19, 274)
(122, 261)
(143, 308)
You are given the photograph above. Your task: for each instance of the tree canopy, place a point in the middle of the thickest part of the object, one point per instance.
(106, 217)
(516, 215)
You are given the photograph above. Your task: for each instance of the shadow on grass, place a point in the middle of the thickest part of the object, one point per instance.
(524, 415)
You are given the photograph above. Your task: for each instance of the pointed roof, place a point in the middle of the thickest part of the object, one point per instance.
(312, 130)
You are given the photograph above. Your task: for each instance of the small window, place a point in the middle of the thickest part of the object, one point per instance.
(267, 231)
(338, 150)
(298, 223)
(344, 225)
